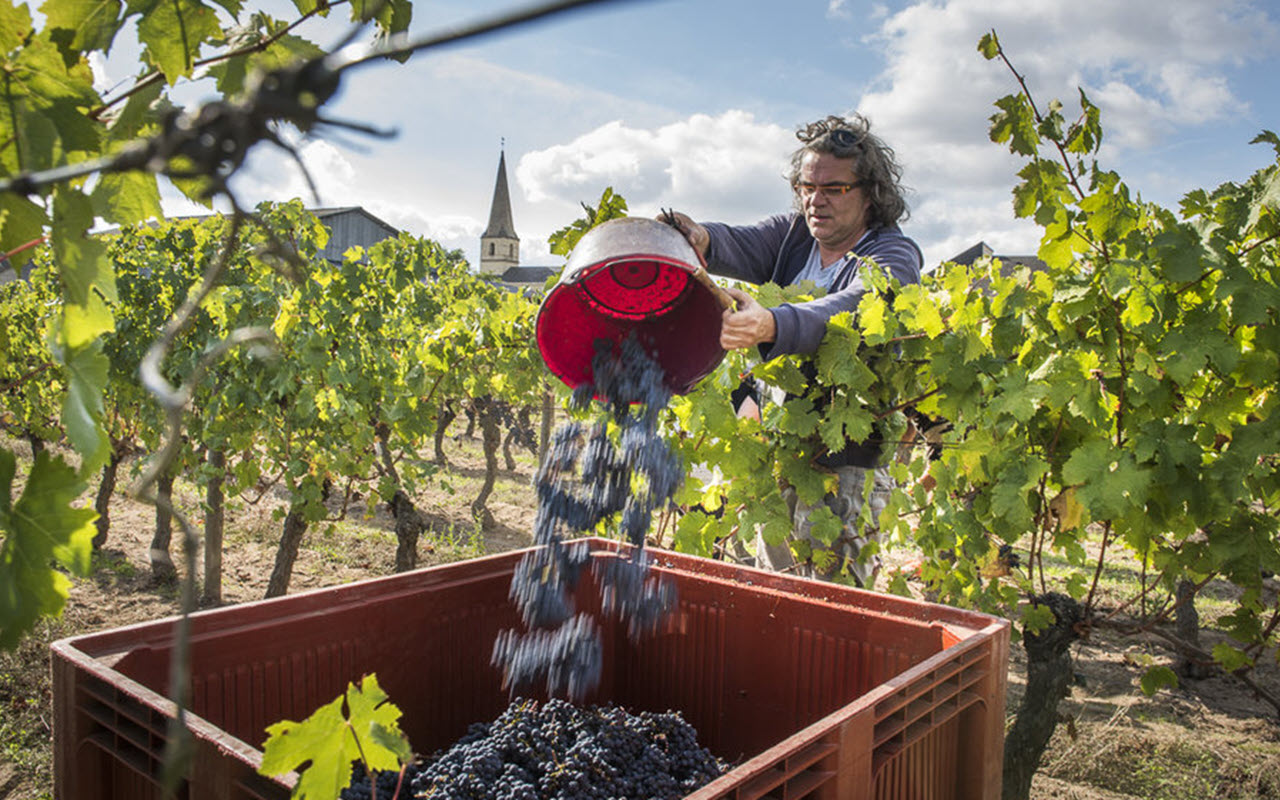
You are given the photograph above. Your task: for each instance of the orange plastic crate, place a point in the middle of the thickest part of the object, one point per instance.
(812, 690)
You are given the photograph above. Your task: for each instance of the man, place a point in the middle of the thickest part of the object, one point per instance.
(848, 205)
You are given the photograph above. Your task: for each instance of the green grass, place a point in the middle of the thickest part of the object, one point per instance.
(1119, 582)
(25, 706)
(455, 543)
(1167, 765)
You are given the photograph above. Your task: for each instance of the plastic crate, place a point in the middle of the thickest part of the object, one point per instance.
(812, 690)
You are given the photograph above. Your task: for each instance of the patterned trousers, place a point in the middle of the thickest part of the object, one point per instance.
(846, 503)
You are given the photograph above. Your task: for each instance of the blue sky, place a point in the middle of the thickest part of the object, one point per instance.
(693, 104)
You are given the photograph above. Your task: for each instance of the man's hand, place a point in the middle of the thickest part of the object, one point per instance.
(694, 234)
(748, 325)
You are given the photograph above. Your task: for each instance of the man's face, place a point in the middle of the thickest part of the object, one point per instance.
(836, 220)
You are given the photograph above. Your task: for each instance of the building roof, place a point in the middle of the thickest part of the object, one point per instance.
(324, 213)
(1008, 263)
(972, 254)
(500, 224)
(536, 275)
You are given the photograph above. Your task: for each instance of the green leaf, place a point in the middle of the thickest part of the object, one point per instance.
(40, 529)
(139, 115)
(1138, 310)
(82, 324)
(1077, 585)
(173, 30)
(784, 373)
(81, 258)
(21, 223)
(308, 6)
(1015, 124)
(1086, 135)
(799, 417)
(1178, 252)
(127, 198)
(826, 526)
(989, 46)
(1268, 137)
(1231, 658)
(873, 314)
(82, 409)
(839, 363)
(378, 720)
(324, 740)
(15, 24)
(1036, 618)
(920, 311)
(285, 50)
(1156, 678)
(695, 533)
(330, 741)
(87, 24)
(1043, 191)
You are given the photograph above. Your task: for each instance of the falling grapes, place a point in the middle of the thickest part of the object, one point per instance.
(558, 751)
(620, 470)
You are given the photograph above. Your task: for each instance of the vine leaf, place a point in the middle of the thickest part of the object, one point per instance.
(1156, 678)
(82, 409)
(21, 221)
(127, 197)
(989, 45)
(172, 31)
(79, 25)
(330, 741)
(40, 528)
(15, 24)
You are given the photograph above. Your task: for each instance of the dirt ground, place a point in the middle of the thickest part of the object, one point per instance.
(1207, 738)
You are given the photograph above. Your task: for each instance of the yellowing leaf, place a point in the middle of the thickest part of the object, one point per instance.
(1067, 509)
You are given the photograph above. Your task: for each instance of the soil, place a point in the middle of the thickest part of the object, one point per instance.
(1206, 738)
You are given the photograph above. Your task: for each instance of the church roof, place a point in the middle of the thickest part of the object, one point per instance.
(500, 224)
(536, 275)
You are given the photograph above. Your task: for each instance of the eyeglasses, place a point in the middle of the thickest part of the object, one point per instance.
(828, 190)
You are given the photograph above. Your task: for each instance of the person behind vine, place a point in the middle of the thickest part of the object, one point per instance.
(848, 203)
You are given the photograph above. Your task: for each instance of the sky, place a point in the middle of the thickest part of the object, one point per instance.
(693, 105)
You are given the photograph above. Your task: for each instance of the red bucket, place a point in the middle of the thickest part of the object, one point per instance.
(633, 275)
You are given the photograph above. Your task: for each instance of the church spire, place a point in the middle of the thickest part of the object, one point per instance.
(499, 244)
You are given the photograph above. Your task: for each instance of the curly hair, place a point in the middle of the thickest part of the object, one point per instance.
(873, 162)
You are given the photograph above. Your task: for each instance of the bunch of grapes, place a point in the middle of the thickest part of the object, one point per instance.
(557, 751)
(619, 469)
(386, 784)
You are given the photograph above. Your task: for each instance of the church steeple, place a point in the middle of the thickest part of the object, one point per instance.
(499, 245)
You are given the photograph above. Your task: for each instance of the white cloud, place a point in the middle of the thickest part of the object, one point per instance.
(839, 9)
(341, 183)
(1168, 55)
(730, 165)
(1152, 67)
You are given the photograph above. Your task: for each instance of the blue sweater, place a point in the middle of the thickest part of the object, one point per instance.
(776, 250)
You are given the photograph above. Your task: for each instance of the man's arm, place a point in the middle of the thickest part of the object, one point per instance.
(746, 252)
(799, 327)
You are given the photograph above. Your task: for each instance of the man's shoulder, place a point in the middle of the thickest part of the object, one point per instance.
(887, 238)
(894, 250)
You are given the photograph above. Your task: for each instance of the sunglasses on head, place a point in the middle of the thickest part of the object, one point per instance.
(840, 137)
(843, 137)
